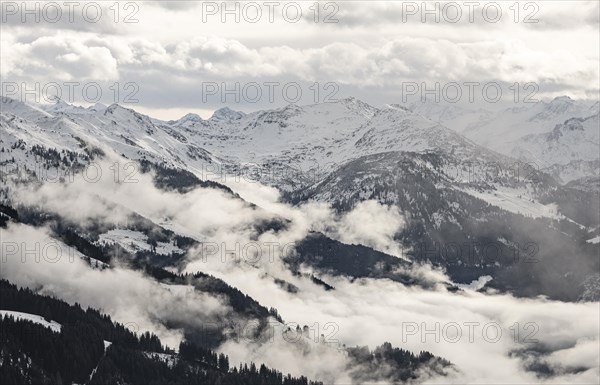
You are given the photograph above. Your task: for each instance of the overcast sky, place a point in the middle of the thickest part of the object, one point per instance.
(180, 54)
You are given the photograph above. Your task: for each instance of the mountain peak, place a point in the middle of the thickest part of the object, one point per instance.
(352, 101)
(116, 107)
(226, 114)
(61, 106)
(349, 99)
(97, 107)
(58, 102)
(560, 105)
(358, 105)
(190, 117)
(562, 99)
(398, 107)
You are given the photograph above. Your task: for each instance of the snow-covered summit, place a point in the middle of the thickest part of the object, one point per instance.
(226, 114)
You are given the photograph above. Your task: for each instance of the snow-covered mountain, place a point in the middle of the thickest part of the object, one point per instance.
(305, 142)
(367, 197)
(530, 132)
(570, 151)
(450, 188)
(319, 137)
(315, 139)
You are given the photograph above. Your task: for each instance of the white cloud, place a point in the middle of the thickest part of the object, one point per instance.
(369, 51)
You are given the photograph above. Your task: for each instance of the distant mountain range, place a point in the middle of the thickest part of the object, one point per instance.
(451, 189)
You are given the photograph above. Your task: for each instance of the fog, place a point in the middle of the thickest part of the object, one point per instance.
(362, 312)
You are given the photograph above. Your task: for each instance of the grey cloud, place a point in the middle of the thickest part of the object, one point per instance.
(46, 21)
(174, 5)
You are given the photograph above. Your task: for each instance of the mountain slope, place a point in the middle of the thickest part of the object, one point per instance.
(559, 136)
(344, 153)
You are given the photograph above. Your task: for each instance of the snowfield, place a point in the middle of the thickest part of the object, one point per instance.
(134, 241)
(54, 326)
(594, 240)
(178, 290)
(514, 201)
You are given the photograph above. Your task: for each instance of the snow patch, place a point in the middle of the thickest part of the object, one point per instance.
(594, 240)
(54, 326)
(169, 359)
(178, 290)
(516, 201)
(477, 284)
(134, 241)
